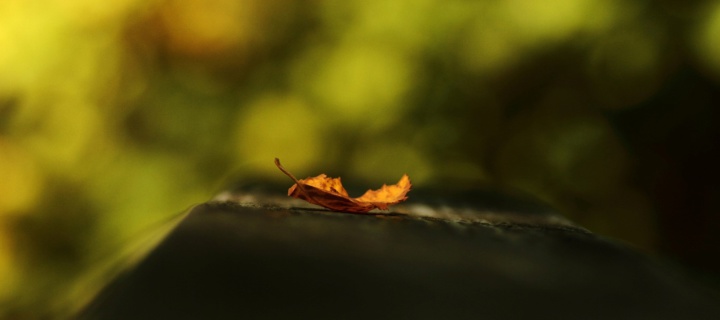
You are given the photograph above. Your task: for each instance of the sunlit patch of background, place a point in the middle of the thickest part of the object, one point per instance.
(117, 115)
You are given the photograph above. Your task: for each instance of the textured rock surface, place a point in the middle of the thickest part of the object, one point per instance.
(254, 256)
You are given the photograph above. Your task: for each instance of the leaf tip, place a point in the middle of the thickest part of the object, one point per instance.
(405, 181)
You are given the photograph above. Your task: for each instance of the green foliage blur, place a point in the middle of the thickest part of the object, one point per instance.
(115, 116)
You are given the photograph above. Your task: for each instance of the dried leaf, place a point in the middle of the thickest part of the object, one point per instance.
(329, 193)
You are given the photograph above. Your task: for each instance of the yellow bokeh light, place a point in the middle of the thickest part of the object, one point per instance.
(92, 13)
(21, 179)
(408, 19)
(66, 133)
(708, 39)
(507, 31)
(278, 127)
(550, 21)
(210, 27)
(358, 82)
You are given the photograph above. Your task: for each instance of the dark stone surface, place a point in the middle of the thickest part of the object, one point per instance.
(239, 257)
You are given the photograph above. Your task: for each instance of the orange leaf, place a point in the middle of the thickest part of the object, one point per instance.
(329, 193)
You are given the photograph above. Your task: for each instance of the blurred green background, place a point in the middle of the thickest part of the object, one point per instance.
(115, 116)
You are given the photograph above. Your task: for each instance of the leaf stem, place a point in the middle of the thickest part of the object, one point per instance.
(302, 189)
(299, 185)
(277, 163)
